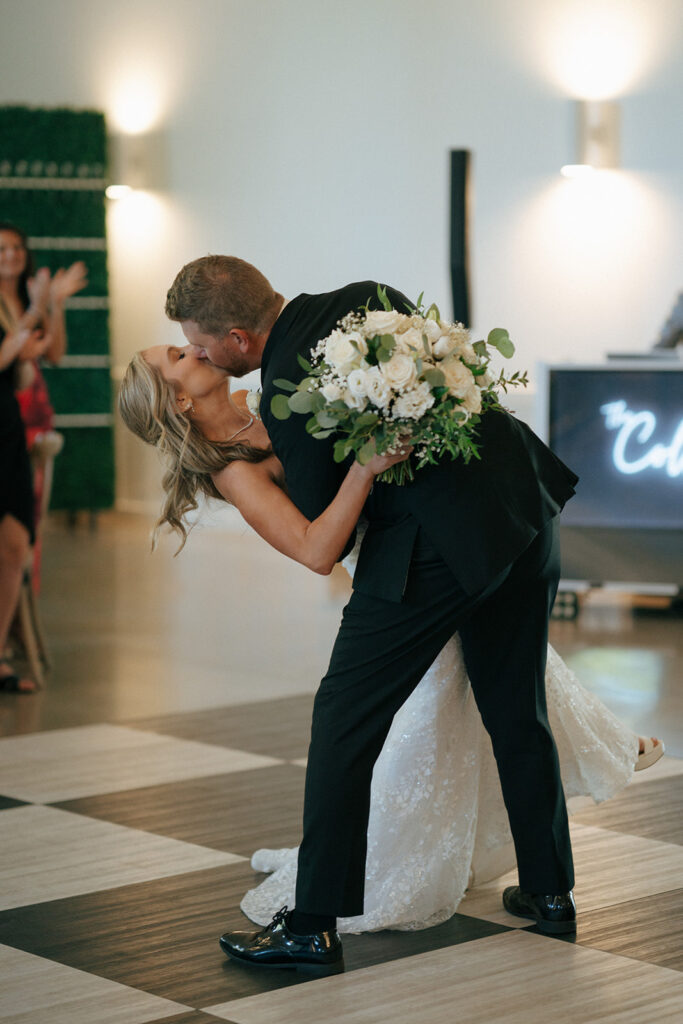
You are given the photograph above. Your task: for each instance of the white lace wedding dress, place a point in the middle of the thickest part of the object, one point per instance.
(438, 824)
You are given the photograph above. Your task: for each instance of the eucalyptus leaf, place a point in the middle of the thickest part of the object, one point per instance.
(435, 378)
(301, 401)
(365, 420)
(341, 450)
(279, 407)
(366, 452)
(324, 419)
(304, 363)
(481, 348)
(500, 339)
(322, 434)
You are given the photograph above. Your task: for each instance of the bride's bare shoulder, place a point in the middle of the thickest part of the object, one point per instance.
(240, 475)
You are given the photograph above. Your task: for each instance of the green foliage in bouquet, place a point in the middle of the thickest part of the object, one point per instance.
(384, 376)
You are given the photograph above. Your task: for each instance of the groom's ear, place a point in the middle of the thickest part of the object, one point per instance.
(243, 339)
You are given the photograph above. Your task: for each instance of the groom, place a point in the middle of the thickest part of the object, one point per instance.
(471, 548)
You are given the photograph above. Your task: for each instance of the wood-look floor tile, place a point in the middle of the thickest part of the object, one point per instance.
(649, 929)
(653, 810)
(70, 763)
(240, 812)
(49, 854)
(510, 979)
(611, 868)
(275, 728)
(34, 990)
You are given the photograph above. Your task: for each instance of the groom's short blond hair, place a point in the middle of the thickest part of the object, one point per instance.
(223, 292)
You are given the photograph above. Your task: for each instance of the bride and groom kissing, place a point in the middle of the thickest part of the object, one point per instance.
(466, 548)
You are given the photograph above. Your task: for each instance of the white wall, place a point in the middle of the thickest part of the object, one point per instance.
(312, 136)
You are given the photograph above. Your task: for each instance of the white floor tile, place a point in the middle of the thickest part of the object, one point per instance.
(38, 991)
(49, 854)
(90, 760)
(514, 978)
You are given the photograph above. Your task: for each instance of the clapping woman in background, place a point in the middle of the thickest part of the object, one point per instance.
(31, 327)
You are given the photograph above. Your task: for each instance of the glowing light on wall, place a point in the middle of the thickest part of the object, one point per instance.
(598, 50)
(136, 220)
(135, 103)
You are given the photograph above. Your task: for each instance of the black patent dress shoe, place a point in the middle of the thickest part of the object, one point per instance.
(276, 946)
(554, 915)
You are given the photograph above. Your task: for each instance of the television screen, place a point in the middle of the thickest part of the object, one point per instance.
(621, 430)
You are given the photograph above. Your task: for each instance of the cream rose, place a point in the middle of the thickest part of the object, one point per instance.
(357, 384)
(378, 391)
(399, 371)
(472, 400)
(380, 321)
(331, 391)
(413, 404)
(355, 401)
(458, 378)
(338, 349)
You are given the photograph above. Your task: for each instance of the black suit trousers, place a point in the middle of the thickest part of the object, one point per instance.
(381, 652)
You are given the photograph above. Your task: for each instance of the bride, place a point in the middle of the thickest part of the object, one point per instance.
(438, 824)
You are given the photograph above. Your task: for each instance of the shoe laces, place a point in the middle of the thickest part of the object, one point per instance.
(280, 917)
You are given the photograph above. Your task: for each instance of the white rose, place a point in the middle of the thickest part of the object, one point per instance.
(253, 400)
(356, 382)
(433, 329)
(458, 378)
(355, 401)
(338, 349)
(357, 338)
(408, 341)
(380, 321)
(378, 391)
(399, 371)
(413, 404)
(472, 400)
(444, 346)
(331, 391)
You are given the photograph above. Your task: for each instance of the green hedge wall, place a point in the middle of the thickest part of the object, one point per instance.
(52, 178)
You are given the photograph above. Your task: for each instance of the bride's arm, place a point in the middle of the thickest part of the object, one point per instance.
(252, 489)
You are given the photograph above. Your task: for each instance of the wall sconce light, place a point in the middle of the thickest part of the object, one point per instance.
(597, 136)
(135, 162)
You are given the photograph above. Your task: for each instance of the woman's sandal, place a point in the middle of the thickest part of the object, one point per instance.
(650, 754)
(10, 682)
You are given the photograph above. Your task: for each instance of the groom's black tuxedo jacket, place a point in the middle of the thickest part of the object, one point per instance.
(480, 516)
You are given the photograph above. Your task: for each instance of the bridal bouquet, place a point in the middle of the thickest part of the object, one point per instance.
(382, 377)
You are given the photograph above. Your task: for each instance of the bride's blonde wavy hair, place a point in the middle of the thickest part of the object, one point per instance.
(148, 407)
